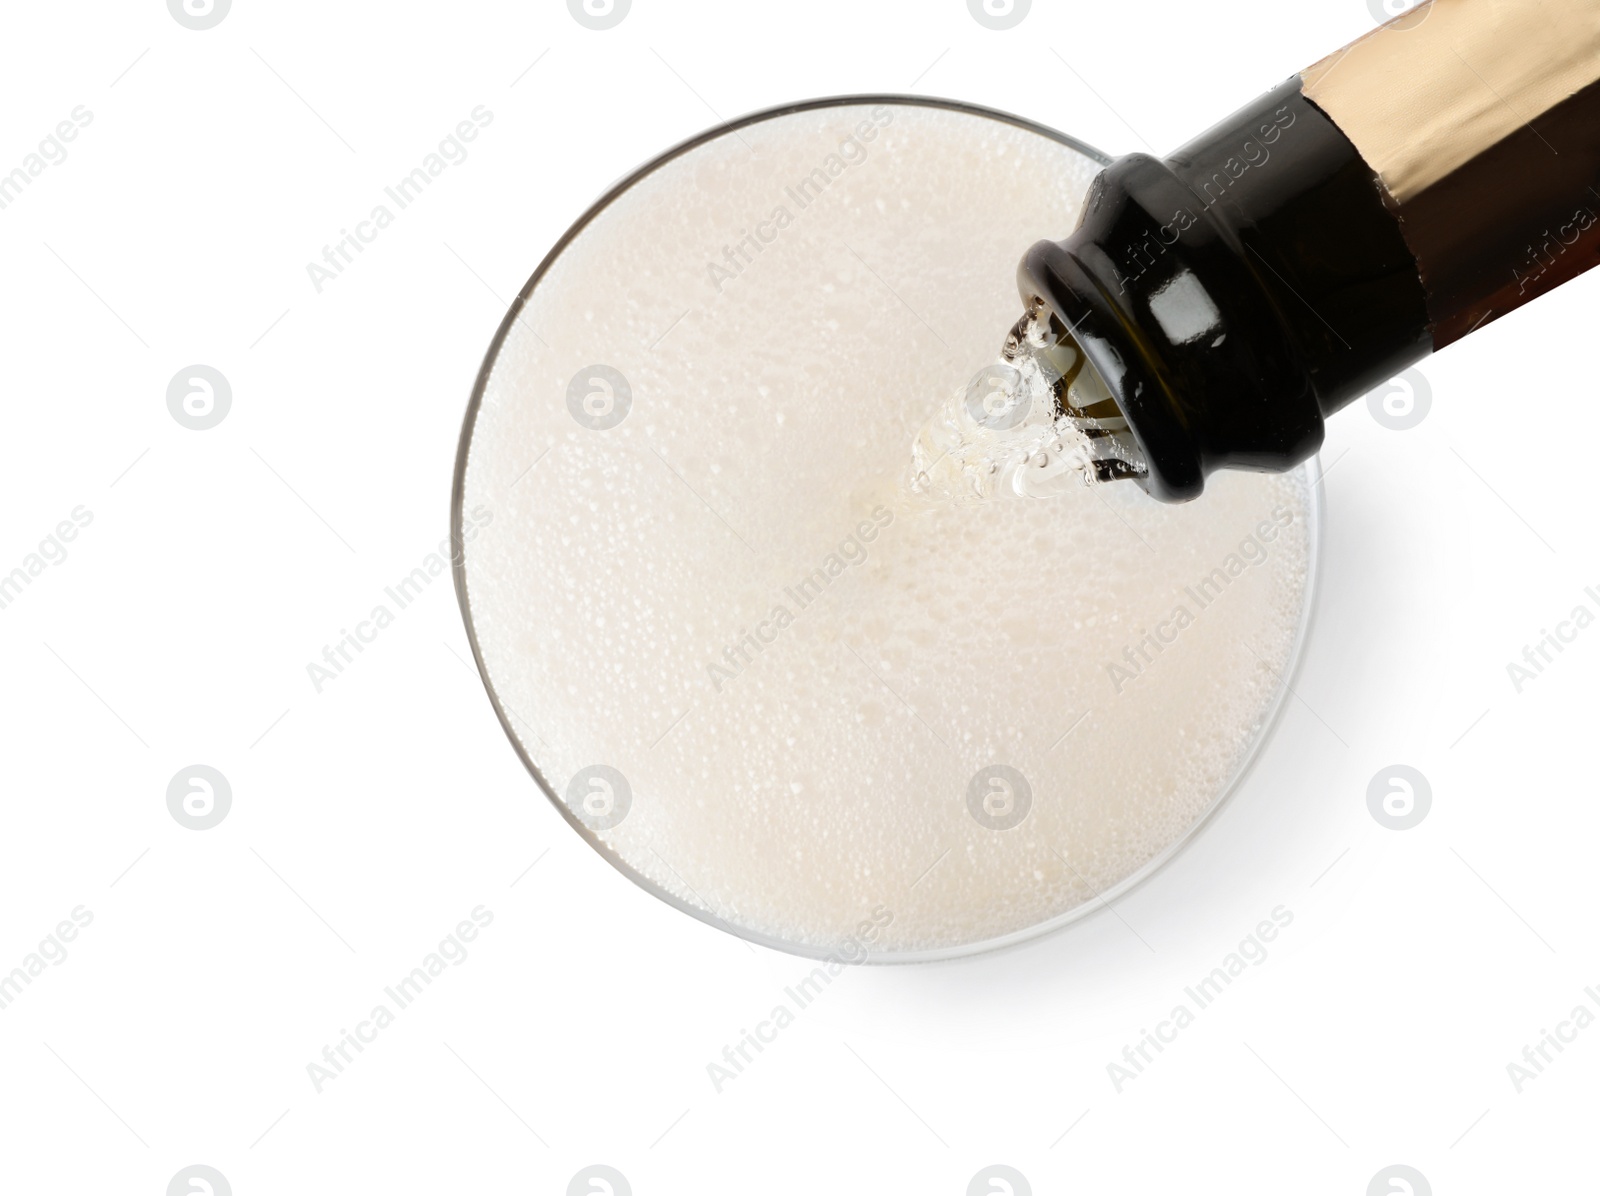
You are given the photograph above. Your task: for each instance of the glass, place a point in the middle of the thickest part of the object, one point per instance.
(582, 397)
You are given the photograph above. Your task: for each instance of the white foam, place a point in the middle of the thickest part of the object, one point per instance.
(729, 597)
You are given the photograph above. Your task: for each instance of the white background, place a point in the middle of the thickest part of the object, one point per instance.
(369, 819)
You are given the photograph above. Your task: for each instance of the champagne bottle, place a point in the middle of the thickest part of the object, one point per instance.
(1386, 202)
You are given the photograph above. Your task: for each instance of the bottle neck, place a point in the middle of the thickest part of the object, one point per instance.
(1235, 294)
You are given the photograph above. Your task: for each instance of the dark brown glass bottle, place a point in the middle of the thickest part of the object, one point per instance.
(1388, 201)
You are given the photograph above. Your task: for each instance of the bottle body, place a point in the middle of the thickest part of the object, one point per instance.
(1311, 246)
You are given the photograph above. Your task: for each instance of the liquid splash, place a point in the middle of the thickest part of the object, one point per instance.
(1036, 423)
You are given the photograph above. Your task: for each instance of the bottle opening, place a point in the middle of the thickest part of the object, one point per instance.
(1036, 421)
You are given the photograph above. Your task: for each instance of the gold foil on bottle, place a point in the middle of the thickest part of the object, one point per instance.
(1424, 95)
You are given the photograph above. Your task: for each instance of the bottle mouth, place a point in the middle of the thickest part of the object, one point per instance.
(1139, 421)
(1081, 395)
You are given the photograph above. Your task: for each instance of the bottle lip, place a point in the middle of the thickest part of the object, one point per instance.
(1178, 319)
(1053, 276)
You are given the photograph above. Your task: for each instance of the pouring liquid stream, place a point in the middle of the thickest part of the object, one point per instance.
(1035, 423)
